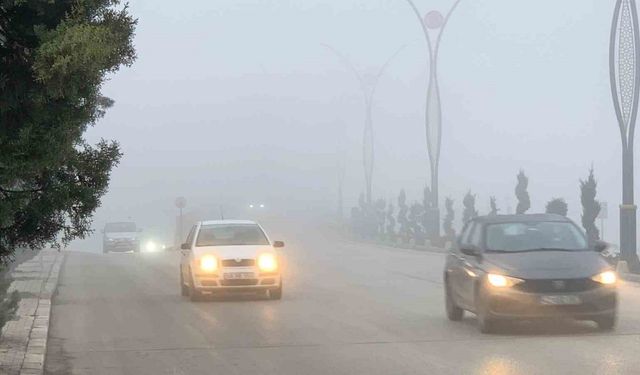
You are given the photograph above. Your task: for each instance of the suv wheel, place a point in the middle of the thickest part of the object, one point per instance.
(454, 313)
(276, 293)
(184, 289)
(607, 322)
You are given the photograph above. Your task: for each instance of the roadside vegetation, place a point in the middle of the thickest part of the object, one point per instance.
(54, 58)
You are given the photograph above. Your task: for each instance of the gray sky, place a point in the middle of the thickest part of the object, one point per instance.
(236, 100)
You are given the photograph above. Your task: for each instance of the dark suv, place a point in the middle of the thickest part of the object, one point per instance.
(526, 267)
(121, 236)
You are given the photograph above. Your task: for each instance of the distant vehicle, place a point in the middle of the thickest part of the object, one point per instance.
(121, 237)
(227, 256)
(528, 267)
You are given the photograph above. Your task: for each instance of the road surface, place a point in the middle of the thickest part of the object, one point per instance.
(347, 309)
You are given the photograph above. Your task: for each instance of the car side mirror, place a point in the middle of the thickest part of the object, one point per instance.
(470, 250)
(185, 246)
(600, 246)
(278, 244)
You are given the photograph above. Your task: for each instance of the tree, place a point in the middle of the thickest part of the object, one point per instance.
(557, 206)
(447, 224)
(521, 193)
(469, 203)
(402, 216)
(590, 207)
(54, 57)
(493, 206)
(391, 223)
(415, 213)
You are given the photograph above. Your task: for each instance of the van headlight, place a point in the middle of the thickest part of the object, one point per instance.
(209, 264)
(267, 263)
(501, 281)
(606, 278)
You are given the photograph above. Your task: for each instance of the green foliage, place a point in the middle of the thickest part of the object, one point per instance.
(469, 203)
(524, 203)
(391, 223)
(447, 224)
(557, 206)
(493, 206)
(590, 207)
(8, 302)
(54, 57)
(403, 209)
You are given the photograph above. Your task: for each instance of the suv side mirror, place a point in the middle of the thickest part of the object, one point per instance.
(278, 244)
(470, 250)
(185, 246)
(600, 246)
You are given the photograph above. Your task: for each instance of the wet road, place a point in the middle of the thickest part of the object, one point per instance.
(347, 309)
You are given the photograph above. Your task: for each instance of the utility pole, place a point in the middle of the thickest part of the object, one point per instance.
(368, 85)
(624, 75)
(433, 22)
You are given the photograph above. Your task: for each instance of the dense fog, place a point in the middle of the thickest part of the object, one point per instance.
(237, 101)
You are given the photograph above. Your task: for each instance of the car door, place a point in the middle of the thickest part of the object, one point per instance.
(470, 267)
(185, 258)
(455, 269)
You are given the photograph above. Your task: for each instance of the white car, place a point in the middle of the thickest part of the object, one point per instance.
(225, 256)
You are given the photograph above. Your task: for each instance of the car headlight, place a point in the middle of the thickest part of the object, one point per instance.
(150, 246)
(606, 278)
(267, 263)
(501, 281)
(209, 263)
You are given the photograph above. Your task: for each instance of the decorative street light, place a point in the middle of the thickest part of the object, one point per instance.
(368, 84)
(624, 74)
(433, 22)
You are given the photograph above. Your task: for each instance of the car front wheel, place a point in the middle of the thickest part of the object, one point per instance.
(184, 289)
(454, 313)
(606, 322)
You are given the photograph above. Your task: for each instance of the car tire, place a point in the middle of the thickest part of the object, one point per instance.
(184, 289)
(276, 294)
(486, 323)
(194, 293)
(606, 322)
(454, 313)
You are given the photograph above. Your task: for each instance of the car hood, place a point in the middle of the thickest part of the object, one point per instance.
(233, 252)
(546, 264)
(121, 235)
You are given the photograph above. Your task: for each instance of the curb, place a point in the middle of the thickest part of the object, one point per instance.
(23, 341)
(429, 249)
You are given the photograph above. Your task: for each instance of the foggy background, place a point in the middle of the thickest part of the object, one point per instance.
(236, 101)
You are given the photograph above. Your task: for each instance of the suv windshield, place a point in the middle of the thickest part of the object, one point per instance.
(513, 237)
(120, 227)
(229, 235)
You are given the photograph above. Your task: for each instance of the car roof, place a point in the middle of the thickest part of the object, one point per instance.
(228, 222)
(524, 218)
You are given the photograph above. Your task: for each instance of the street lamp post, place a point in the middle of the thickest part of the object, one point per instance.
(368, 85)
(624, 75)
(433, 22)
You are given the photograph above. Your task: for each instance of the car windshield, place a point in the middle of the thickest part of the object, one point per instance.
(120, 227)
(229, 235)
(514, 237)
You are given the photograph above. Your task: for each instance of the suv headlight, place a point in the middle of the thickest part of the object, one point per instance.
(606, 278)
(209, 264)
(501, 281)
(267, 263)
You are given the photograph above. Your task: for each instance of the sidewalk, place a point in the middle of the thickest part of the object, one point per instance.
(23, 341)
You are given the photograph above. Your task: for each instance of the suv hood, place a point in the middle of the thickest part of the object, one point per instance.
(122, 235)
(546, 264)
(233, 252)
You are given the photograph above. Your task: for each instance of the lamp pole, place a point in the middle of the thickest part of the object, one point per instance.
(624, 75)
(433, 23)
(368, 85)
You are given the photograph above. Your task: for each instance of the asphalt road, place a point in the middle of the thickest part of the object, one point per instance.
(347, 309)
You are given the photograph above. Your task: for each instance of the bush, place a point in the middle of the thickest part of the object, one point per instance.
(557, 206)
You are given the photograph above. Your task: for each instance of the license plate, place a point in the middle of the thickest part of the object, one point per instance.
(560, 300)
(238, 275)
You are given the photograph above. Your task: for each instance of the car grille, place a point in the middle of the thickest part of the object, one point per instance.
(557, 285)
(239, 282)
(238, 262)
